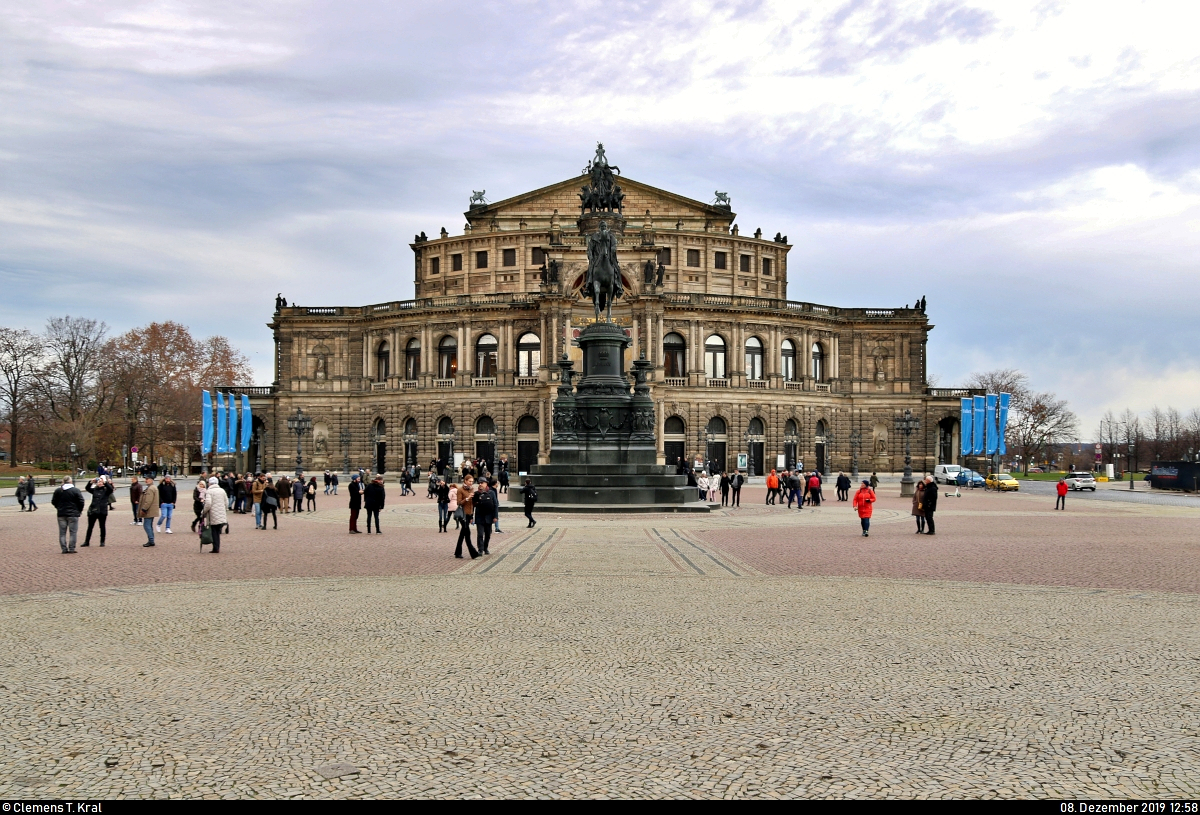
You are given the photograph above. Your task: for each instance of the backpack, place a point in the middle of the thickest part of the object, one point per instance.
(531, 494)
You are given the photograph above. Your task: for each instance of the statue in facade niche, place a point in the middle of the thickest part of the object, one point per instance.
(648, 271)
(661, 271)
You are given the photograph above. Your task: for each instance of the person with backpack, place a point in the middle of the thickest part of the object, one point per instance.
(485, 516)
(311, 492)
(864, 501)
(529, 493)
(735, 483)
(298, 494)
(373, 500)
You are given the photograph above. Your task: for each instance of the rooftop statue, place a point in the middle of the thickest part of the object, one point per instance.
(477, 198)
(601, 193)
(722, 199)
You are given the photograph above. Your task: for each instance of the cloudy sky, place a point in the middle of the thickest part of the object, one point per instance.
(1033, 168)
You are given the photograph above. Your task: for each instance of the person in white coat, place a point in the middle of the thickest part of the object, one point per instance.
(214, 516)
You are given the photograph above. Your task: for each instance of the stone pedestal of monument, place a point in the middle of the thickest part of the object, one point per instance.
(602, 458)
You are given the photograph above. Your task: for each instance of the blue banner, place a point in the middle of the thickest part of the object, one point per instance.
(977, 427)
(206, 419)
(989, 427)
(1003, 422)
(222, 419)
(231, 428)
(964, 430)
(246, 426)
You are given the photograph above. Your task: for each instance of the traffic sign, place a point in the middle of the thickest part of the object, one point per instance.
(133, 450)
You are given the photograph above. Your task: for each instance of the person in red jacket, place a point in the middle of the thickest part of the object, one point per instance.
(772, 486)
(1061, 503)
(864, 500)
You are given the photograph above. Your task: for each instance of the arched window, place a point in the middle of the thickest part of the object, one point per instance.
(790, 428)
(412, 359)
(716, 426)
(756, 427)
(380, 429)
(674, 426)
(484, 425)
(485, 356)
(383, 359)
(445, 426)
(714, 357)
(754, 358)
(818, 362)
(821, 428)
(410, 427)
(788, 361)
(674, 356)
(529, 355)
(528, 426)
(447, 358)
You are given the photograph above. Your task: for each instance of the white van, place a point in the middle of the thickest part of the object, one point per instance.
(945, 473)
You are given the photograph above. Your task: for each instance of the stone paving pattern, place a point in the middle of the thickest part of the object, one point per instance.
(753, 653)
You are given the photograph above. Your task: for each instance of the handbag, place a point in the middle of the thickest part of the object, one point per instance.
(206, 538)
(271, 501)
(459, 515)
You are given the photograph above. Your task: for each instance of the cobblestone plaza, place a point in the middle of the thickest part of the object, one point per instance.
(753, 652)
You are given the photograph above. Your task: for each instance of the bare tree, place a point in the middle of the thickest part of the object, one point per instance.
(74, 393)
(20, 359)
(1036, 421)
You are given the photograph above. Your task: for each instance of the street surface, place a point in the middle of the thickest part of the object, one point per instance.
(755, 652)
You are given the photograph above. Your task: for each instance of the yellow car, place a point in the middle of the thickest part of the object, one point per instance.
(1004, 481)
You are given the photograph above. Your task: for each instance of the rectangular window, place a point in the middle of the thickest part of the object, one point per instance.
(481, 260)
(744, 263)
(718, 260)
(664, 256)
(435, 265)
(766, 266)
(510, 257)
(693, 257)
(456, 263)
(539, 256)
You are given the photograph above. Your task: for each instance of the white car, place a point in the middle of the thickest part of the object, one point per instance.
(946, 474)
(1081, 481)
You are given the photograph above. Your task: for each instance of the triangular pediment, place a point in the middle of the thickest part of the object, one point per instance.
(537, 206)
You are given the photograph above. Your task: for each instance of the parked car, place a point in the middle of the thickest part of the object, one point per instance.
(945, 473)
(968, 478)
(1081, 481)
(1036, 470)
(1004, 482)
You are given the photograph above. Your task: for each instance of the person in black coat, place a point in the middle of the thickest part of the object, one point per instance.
(69, 503)
(485, 516)
(529, 493)
(929, 502)
(100, 489)
(355, 503)
(843, 487)
(373, 497)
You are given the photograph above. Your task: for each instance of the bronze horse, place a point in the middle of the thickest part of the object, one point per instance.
(603, 282)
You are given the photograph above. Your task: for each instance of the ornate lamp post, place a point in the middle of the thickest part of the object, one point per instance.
(855, 446)
(709, 440)
(829, 439)
(906, 424)
(374, 449)
(344, 439)
(75, 464)
(491, 437)
(299, 424)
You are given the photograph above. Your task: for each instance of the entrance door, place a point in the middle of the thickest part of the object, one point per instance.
(445, 456)
(820, 456)
(527, 453)
(716, 453)
(381, 457)
(672, 452)
(486, 451)
(756, 458)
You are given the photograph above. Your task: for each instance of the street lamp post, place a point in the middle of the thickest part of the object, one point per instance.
(791, 442)
(344, 438)
(74, 463)
(709, 440)
(299, 424)
(408, 438)
(374, 449)
(1131, 464)
(491, 437)
(855, 446)
(829, 440)
(906, 424)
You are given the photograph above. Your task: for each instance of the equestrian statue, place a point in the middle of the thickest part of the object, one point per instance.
(603, 280)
